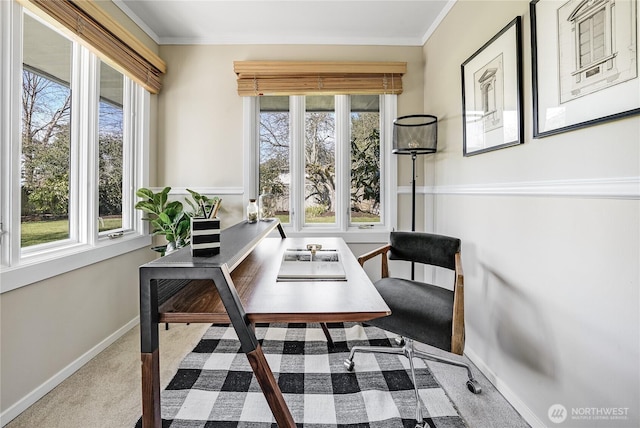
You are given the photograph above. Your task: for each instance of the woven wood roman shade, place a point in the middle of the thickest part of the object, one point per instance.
(109, 39)
(306, 78)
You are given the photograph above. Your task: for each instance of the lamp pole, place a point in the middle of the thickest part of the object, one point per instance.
(413, 191)
(413, 203)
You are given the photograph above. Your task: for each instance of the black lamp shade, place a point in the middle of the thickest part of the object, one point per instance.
(415, 134)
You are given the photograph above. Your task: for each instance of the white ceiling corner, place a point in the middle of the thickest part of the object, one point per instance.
(333, 22)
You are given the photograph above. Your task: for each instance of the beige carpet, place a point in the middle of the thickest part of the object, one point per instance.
(106, 391)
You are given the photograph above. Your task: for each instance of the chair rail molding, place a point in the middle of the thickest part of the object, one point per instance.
(598, 188)
(203, 190)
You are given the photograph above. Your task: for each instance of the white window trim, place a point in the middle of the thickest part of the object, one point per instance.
(18, 267)
(351, 234)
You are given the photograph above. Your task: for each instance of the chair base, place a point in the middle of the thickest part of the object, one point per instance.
(410, 352)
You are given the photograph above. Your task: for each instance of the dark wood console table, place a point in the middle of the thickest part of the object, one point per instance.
(239, 286)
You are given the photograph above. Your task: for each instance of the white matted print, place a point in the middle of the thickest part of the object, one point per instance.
(584, 63)
(492, 93)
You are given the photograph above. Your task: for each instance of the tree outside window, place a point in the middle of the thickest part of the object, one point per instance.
(321, 196)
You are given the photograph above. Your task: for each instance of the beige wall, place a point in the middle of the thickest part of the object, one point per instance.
(552, 301)
(200, 112)
(47, 327)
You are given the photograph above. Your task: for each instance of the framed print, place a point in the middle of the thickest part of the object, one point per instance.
(584, 63)
(492, 112)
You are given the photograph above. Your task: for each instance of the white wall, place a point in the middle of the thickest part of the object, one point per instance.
(550, 240)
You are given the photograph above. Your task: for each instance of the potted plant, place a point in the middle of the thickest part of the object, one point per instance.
(202, 205)
(169, 219)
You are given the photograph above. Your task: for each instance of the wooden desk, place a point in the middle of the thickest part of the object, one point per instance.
(239, 286)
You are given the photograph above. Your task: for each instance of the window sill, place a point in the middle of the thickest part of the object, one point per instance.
(351, 236)
(66, 260)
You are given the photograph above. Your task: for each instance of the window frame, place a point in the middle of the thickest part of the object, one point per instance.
(23, 266)
(352, 233)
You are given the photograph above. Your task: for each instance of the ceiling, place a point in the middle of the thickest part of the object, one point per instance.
(345, 22)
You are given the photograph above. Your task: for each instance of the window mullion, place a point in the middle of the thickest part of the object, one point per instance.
(128, 154)
(297, 124)
(83, 215)
(140, 165)
(343, 159)
(251, 139)
(389, 179)
(10, 98)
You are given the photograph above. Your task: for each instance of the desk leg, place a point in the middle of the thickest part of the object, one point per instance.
(151, 390)
(150, 353)
(252, 349)
(270, 388)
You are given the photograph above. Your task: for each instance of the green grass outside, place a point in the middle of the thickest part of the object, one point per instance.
(284, 219)
(41, 232)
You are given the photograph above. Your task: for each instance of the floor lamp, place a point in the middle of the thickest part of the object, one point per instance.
(415, 135)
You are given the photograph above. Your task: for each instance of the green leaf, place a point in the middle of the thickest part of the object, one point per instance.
(196, 196)
(144, 193)
(147, 207)
(164, 195)
(182, 228)
(164, 218)
(193, 207)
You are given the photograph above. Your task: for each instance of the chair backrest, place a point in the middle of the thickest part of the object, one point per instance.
(427, 248)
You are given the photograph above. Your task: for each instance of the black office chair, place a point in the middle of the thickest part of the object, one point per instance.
(419, 311)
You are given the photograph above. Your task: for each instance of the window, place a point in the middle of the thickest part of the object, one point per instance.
(365, 160)
(110, 149)
(320, 203)
(73, 136)
(326, 159)
(45, 159)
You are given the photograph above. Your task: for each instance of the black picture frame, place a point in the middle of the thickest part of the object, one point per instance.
(492, 113)
(563, 98)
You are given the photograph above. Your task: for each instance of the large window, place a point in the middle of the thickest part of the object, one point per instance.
(324, 159)
(46, 134)
(73, 136)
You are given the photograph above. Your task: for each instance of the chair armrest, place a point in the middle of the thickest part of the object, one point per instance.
(457, 333)
(378, 251)
(459, 273)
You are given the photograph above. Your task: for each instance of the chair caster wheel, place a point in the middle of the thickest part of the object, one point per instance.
(474, 386)
(400, 341)
(348, 364)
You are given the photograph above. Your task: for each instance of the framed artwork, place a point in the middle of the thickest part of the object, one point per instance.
(492, 114)
(584, 63)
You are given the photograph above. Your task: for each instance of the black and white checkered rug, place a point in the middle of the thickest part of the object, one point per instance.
(215, 386)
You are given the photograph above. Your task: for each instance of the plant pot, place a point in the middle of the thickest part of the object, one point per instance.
(205, 237)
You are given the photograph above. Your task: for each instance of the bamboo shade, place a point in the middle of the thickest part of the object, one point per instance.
(105, 36)
(305, 78)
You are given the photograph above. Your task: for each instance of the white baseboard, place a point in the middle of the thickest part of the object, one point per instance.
(24, 403)
(504, 389)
